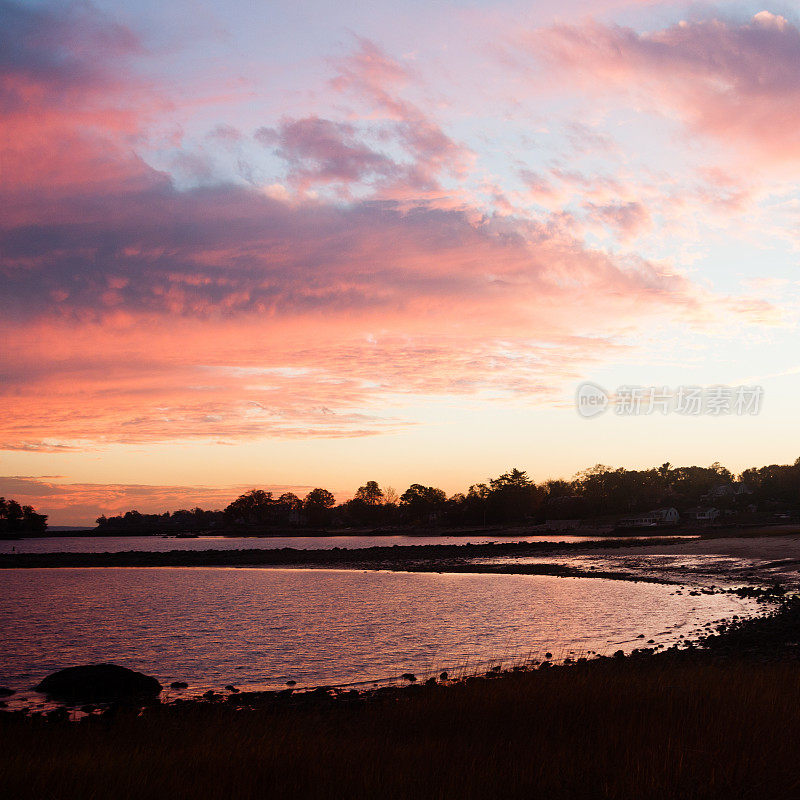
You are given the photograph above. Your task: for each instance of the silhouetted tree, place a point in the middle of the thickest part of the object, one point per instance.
(255, 507)
(318, 505)
(370, 493)
(513, 496)
(15, 518)
(422, 503)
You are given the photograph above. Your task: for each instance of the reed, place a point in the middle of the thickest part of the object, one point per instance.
(656, 727)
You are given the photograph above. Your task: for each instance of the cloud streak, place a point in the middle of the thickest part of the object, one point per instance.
(737, 82)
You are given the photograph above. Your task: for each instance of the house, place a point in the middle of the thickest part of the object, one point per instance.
(726, 490)
(651, 519)
(703, 514)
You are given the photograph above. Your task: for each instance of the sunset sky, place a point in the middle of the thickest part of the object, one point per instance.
(312, 244)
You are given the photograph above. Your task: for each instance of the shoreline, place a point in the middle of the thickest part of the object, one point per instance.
(501, 531)
(705, 561)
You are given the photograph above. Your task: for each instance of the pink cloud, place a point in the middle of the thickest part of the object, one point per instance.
(374, 77)
(134, 311)
(628, 220)
(322, 151)
(737, 82)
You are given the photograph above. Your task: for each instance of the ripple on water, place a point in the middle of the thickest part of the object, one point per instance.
(202, 625)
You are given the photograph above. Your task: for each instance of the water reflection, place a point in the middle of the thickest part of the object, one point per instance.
(259, 628)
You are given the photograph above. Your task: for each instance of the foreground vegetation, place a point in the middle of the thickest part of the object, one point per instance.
(721, 722)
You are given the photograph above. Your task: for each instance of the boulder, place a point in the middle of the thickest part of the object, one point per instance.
(98, 682)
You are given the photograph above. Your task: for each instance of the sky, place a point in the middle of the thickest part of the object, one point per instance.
(306, 244)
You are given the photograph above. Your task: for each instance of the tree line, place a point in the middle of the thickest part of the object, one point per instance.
(16, 518)
(512, 497)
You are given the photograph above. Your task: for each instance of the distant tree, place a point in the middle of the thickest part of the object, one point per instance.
(370, 493)
(422, 503)
(291, 501)
(253, 507)
(13, 512)
(513, 496)
(318, 505)
(16, 518)
(390, 496)
(320, 498)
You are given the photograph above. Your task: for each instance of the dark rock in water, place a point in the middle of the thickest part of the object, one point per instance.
(179, 685)
(409, 676)
(548, 655)
(443, 676)
(231, 688)
(98, 682)
(5, 691)
(291, 683)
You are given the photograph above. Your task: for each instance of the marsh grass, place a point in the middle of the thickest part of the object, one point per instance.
(657, 727)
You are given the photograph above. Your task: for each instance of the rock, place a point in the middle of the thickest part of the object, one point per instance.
(5, 691)
(179, 685)
(409, 676)
(98, 682)
(231, 688)
(548, 656)
(443, 676)
(291, 683)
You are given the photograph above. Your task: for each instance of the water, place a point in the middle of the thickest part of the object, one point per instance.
(258, 628)
(115, 544)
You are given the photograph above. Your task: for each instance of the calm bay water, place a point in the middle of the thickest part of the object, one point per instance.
(258, 628)
(114, 544)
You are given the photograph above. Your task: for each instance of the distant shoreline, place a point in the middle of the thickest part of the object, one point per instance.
(501, 532)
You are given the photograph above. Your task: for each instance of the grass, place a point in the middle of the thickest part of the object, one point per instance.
(654, 727)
